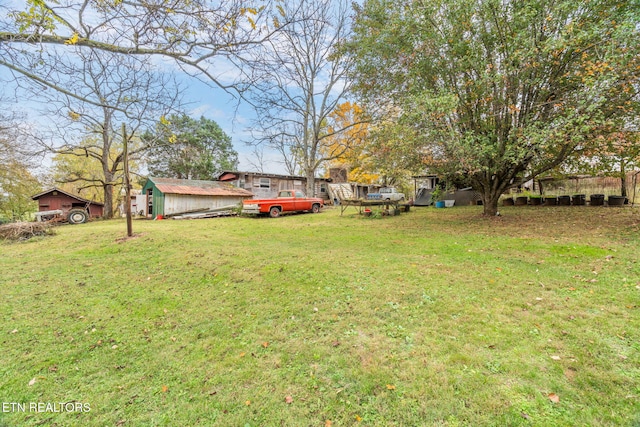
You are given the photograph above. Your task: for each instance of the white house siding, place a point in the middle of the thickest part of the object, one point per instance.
(181, 203)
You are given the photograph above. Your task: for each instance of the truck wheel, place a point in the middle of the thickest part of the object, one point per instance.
(77, 216)
(274, 212)
(315, 208)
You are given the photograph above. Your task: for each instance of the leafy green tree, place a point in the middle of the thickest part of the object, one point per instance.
(189, 149)
(17, 182)
(17, 185)
(497, 91)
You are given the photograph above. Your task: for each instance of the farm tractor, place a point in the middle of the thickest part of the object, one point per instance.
(75, 215)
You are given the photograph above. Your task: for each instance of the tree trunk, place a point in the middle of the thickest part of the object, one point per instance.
(108, 201)
(311, 184)
(490, 191)
(623, 186)
(107, 188)
(490, 203)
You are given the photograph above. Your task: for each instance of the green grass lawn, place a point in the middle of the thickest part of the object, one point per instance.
(437, 317)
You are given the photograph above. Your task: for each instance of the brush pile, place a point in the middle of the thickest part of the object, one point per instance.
(24, 230)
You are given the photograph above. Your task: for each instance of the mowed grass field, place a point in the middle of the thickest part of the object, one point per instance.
(436, 317)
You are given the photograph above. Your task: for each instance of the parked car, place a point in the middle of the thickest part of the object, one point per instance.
(387, 193)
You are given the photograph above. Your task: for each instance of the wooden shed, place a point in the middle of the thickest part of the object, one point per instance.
(167, 196)
(57, 199)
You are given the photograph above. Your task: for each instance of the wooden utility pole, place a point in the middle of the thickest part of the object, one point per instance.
(127, 185)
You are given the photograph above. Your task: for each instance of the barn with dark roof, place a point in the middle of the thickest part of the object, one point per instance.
(56, 199)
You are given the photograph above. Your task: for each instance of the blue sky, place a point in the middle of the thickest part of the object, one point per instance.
(202, 100)
(235, 120)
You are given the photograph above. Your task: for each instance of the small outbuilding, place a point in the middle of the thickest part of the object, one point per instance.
(68, 205)
(165, 197)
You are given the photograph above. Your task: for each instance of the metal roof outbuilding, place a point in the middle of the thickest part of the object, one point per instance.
(170, 196)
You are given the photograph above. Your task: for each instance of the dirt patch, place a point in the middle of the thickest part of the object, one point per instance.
(127, 238)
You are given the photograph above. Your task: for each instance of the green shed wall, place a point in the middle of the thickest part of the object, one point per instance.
(157, 198)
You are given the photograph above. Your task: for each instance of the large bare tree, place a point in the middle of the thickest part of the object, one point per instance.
(299, 81)
(109, 90)
(196, 34)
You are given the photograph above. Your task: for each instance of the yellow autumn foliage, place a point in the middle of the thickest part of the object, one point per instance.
(348, 148)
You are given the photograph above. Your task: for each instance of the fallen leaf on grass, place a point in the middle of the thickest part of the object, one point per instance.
(554, 398)
(248, 402)
(32, 382)
(165, 388)
(391, 387)
(265, 344)
(358, 418)
(288, 400)
(555, 357)
(328, 423)
(14, 331)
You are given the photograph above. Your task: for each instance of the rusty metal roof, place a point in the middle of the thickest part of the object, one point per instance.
(198, 187)
(185, 189)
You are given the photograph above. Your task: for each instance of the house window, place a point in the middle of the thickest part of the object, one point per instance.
(323, 188)
(262, 183)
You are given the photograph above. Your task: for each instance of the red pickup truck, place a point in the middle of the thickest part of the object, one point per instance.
(287, 201)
